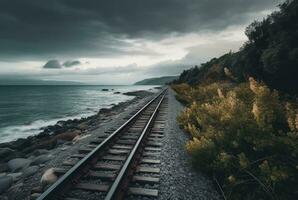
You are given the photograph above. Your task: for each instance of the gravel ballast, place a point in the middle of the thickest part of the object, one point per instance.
(21, 189)
(178, 179)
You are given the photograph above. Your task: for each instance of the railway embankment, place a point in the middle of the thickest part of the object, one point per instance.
(167, 174)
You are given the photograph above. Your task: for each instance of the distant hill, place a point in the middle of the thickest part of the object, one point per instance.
(270, 55)
(157, 81)
(36, 82)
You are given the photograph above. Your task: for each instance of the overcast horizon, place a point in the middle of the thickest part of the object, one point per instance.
(119, 42)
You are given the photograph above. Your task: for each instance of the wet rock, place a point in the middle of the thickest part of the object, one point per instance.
(21, 143)
(56, 129)
(18, 164)
(46, 143)
(42, 135)
(48, 178)
(117, 92)
(104, 89)
(5, 183)
(41, 159)
(61, 123)
(30, 171)
(139, 93)
(104, 110)
(7, 154)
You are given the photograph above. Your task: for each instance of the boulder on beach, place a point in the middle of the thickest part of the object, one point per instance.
(138, 93)
(18, 164)
(7, 154)
(48, 178)
(67, 136)
(117, 92)
(21, 143)
(104, 89)
(30, 171)
(48, 143)
(83, 125)
(5, 183)
(41, 159)
(39, 152)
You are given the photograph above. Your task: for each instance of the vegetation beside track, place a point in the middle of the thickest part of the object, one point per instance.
(245, 136)
(243, 131)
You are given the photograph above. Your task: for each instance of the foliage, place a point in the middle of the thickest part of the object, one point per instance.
(270, 54)
(245, 136)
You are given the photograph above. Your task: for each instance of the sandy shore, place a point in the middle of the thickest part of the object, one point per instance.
(22, 162)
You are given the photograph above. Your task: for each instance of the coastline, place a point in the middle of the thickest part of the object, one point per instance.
(26, 110)
(27, 180)
(62, 132)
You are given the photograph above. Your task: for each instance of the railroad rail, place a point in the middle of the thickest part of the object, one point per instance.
(109, 166)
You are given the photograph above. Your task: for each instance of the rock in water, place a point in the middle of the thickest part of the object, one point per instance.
(18, 164)
(49, 177)
(5, 183)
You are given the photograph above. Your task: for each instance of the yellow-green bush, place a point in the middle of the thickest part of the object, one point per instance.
(245, 136)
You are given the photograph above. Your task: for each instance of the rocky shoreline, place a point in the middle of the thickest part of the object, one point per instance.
(22, 158)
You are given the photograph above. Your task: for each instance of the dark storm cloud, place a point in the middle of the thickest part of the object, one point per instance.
(55, 64)
(71, 63)
(72, 28)
(52, 64)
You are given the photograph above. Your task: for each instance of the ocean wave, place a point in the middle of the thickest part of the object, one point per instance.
(11, 133)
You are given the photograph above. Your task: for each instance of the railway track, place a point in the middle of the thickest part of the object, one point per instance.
(122, 164)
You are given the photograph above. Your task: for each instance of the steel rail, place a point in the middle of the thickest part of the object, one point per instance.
(116, 186)
(54, 190)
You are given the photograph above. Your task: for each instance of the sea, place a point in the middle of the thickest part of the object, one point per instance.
(25, 110)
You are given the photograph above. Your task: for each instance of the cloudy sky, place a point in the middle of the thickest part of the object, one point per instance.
(119, 41)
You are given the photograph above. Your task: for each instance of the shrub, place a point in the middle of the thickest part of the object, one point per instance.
(245, 136)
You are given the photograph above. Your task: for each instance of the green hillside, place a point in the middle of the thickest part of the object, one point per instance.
(242, 112)
(270, 54)
(157, 81)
